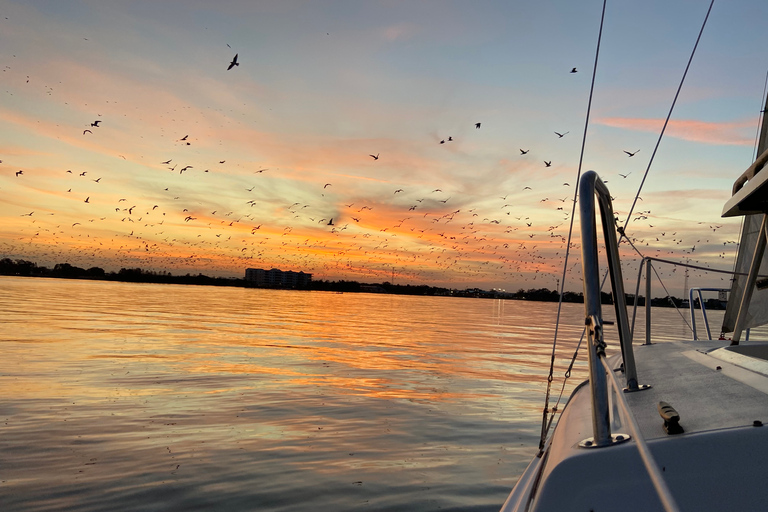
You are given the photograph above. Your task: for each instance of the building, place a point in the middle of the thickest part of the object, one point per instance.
(275, 278)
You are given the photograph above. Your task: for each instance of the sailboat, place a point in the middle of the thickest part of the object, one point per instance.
(672, 425)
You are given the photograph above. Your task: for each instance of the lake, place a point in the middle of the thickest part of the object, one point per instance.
(121, 396)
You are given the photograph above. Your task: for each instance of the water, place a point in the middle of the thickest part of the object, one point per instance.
(117, 396)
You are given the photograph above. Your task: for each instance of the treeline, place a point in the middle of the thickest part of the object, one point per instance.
(131, 275)
(9, 267)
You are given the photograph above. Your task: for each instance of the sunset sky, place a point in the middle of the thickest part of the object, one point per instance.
(276, 152)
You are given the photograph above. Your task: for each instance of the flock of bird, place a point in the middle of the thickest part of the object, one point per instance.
(415, 233)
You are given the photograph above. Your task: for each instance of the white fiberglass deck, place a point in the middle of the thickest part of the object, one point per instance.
(717, 464)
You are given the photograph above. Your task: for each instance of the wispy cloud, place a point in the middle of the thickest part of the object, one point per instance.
(731, 133)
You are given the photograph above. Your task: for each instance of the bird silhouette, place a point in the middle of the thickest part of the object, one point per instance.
(625, 175)
(96, 123)
(87, 131)
(561, 135)
(477, 126)
(524, 152)
(631, 154)
(19, 173)
(233, 63)
(574, 70)
(326, 185)
(87, 199)
(375, 157)
(548, 164)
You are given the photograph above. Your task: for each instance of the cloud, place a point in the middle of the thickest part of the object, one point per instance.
(733, 133)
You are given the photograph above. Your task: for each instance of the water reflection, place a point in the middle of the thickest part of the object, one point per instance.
(133, 397)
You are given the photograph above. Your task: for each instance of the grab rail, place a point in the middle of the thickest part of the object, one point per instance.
(591, 186)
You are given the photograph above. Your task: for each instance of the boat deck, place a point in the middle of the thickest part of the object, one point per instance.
(686, 376)
(719, 460)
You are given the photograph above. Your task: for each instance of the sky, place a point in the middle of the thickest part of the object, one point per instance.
(372, 140)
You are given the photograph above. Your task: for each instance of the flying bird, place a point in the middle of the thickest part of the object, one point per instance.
(477, 126)
(632, 154)
(87, 131)
(375, 157)
(96, 123)
(625, 175)
(87, 198)
(561, 135)
(330, 222)
(524, 152)
(548, 164)
(19, 173)
(574, 70)
(233, 63)
(326, 185)
(167, 162)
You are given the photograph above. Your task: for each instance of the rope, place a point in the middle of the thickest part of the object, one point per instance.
(544, 423)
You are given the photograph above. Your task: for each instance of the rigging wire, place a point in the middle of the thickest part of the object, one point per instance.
(666, 121)
(546, 424)
(545, 412)
(759, 120)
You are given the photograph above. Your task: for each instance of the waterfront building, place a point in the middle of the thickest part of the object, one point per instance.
(275, 278)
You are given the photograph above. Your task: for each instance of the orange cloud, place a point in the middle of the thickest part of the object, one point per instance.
(734, 133)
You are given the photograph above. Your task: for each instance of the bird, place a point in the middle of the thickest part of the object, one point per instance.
(19, 173)
(477, 126)
(87, 131)
(625, 175)
(83, 173)
(450, 139)
(96, 123)
(167, 162)
(574, 70)
(326, 185)
(233, 63)
(631, 154)
(524, 152)
(398, 190)
(548, 164)
(87, 198)
(330, 222)
(97, 180)
(442, 142)
(561, 135)
(375, 157)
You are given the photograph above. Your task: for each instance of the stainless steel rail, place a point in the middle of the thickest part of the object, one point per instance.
(590, 186)
(691, 305)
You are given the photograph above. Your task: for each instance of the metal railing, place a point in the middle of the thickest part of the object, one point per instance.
(692, 305)
(591, 187)
(600, 374)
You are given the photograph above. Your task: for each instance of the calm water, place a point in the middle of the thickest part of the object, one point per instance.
(118, 396)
